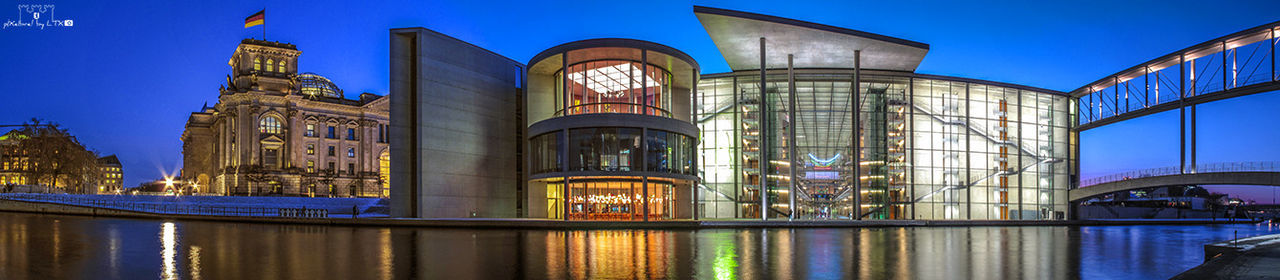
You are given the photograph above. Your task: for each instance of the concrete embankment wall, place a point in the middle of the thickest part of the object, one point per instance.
(60, 209)
(1123, 212)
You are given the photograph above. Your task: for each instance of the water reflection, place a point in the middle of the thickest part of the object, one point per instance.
(170, 241)
(41, 247)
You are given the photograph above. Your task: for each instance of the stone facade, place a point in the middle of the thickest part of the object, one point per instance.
(277, 132)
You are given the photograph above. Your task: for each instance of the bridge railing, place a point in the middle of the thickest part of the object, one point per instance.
(148, 207)
(1217, 167)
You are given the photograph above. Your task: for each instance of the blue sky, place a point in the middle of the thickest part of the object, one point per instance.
(127, 74)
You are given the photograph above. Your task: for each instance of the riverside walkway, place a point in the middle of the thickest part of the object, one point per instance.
(1247, 258)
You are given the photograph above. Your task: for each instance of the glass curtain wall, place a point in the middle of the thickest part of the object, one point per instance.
(930, 149)
(987, 152)
(717, 117)
(617, 199)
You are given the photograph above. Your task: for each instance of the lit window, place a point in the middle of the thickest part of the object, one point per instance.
(311, 130)
(271, 65)
(257, 64)
(351, 152)
(281, 66)
(311, 166)
(311, 149)
(269, 125)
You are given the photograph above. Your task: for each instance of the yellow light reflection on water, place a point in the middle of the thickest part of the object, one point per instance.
(193, 258)
(168, 240)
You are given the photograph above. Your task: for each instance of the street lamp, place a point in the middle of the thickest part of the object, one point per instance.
(168, 185)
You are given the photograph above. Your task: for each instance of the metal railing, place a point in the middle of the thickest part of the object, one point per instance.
(147, 207)
(613, 107)
(1217, 167)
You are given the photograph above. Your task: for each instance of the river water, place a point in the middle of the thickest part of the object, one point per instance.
(36, 246)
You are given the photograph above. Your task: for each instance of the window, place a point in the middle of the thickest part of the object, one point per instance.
(311, 166)
(281, 66)
(331, 167)
(351, 152)
(269, 125)
(311, 130)
(270, 157)
(257, 64)
(382, 133)
(351, 169)
(332, 133)
(332, 151)
(351, 134)
(614, 86)
(311, 149)
(271, 65)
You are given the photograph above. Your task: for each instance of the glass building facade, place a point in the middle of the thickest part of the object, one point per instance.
(929, 147)
(611, 136)
(837, 127)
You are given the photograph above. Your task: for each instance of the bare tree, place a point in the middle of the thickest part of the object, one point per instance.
(54, 156)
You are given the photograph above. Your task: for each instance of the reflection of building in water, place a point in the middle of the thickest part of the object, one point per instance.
(277, 132)
(613, 254)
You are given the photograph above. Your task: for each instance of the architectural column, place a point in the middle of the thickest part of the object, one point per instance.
(764, 139)
(737, 153)
(693, 162)
(644, 180)
(1182, 114)
(644, 84)
(857, 143)
(791, 132)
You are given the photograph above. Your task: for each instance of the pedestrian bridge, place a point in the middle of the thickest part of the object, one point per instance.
(1229, 173)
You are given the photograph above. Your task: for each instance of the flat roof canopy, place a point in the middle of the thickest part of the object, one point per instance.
(737, 35)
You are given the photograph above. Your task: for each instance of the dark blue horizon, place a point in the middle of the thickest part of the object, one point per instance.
(125, 77)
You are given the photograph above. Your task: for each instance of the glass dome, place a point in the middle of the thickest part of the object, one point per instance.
(313, 85)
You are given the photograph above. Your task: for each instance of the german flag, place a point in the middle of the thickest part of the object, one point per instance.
(255, 19)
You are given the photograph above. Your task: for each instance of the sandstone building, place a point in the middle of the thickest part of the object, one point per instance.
(274, 131)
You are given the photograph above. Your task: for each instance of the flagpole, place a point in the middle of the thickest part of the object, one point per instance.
(264, 22)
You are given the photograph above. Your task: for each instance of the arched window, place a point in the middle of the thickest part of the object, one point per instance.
(281, 66)
(271, 65)
(257, 64)
(269, 125)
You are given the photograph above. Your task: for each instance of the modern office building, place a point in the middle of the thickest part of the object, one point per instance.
(611, 132)
(621, 129)
(274, 131)
(926, 147)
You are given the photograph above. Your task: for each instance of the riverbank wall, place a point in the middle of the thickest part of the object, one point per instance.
(62, 209)
(1245, 258)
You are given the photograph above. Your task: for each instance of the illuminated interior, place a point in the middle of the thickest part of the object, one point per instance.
(615, 86)
(611, 198)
